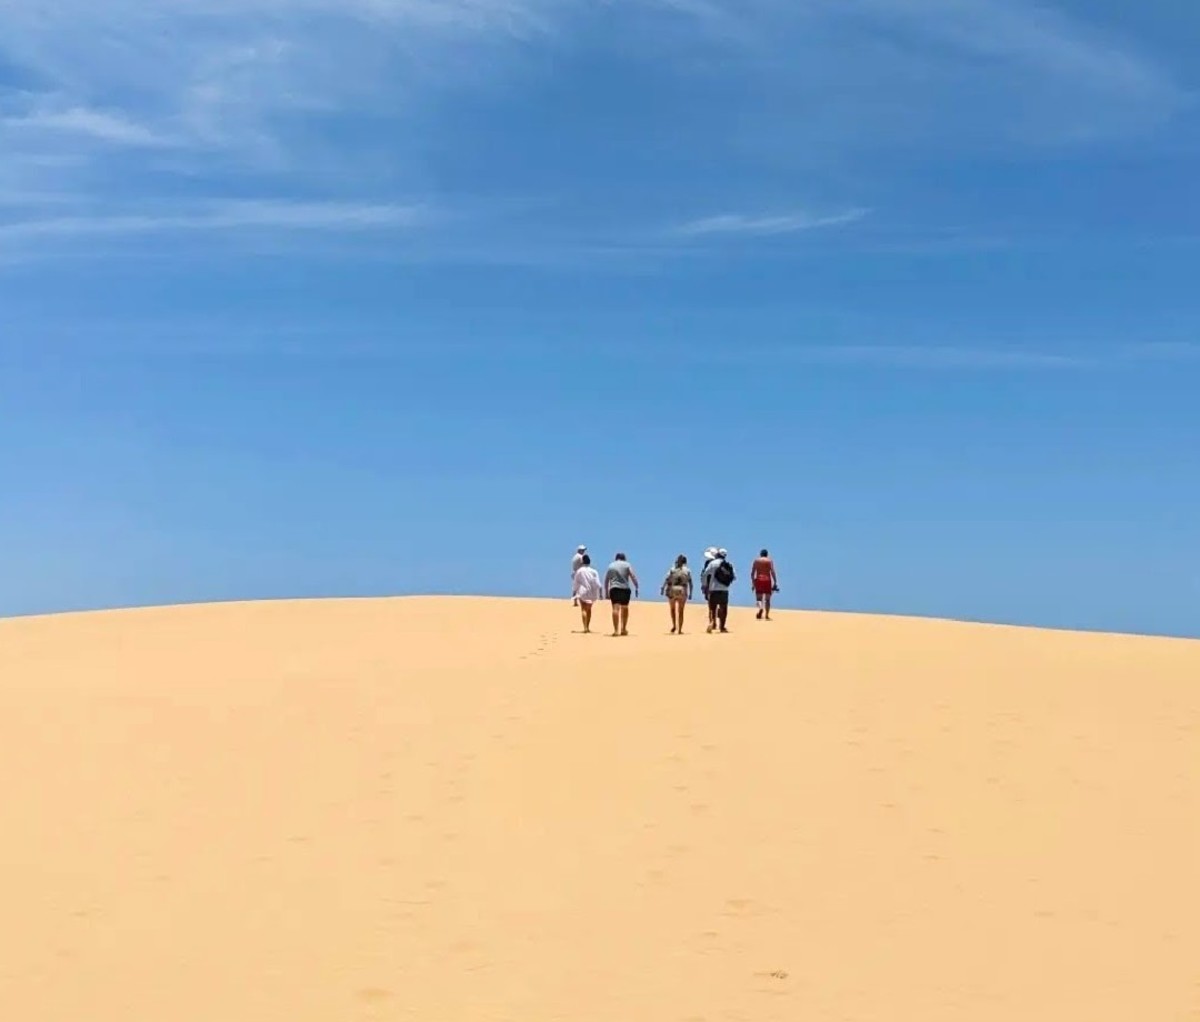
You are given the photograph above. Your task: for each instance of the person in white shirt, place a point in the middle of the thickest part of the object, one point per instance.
(587, 590)
(576, 563)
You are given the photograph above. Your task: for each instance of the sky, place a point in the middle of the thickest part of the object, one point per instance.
(359, 297)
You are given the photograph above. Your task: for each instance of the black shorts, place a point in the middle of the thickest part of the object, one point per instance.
(620, 597)
(718, 598)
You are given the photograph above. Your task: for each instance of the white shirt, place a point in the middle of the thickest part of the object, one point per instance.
(710, 577)
(587, 586)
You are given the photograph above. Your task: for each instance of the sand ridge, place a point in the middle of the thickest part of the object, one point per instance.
(457, 809)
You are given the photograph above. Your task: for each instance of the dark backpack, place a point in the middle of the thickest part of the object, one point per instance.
(724, 573)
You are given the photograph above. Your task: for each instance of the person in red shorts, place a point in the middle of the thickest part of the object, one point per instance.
(765, 582)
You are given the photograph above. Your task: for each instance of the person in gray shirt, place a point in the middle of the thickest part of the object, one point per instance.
(620, 585)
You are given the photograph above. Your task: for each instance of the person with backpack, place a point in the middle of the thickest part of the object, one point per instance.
(765, 582)
(719, 576)
(677, 588)
(586, 590)
(620, 585)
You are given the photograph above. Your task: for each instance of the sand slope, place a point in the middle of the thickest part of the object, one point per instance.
(453, 810)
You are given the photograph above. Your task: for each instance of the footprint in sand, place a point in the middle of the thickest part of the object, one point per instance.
(374, 995)
(743, 908)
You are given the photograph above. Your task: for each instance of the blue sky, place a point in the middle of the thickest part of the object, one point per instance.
(341, 297)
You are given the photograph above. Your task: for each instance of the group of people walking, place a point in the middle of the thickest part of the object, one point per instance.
(620, 585)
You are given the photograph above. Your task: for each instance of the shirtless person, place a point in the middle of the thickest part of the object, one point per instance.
(765, 582)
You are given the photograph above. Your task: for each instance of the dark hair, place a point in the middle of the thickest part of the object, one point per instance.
(681, 560)
(586, 559)
(620, 557)
(764, 553)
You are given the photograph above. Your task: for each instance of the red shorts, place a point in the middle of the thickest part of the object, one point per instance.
(763, 587)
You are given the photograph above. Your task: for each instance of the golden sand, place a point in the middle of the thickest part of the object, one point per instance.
(447, 810)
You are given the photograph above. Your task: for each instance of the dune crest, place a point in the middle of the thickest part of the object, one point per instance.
(458, 810)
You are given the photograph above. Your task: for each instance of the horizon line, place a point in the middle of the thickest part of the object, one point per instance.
(879, 615)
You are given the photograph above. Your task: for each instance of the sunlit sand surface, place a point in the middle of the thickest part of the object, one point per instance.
(457, 810)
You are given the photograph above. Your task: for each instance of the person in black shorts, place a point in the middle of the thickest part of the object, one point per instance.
(620, 586)
(716, 581)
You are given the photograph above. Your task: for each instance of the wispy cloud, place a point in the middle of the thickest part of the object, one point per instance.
(934, 357)
(334, 340)
(98, 125)
(224, 216)
(1164, 351)
(787, 223)
(373, 100)
(1034, 36)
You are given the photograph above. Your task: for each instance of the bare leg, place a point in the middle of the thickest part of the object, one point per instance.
(767, 605)
(586, 611)
(671, 602)
(624, 620)
(616, 612)
(682, 608)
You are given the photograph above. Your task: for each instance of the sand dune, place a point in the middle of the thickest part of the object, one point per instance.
(448, 810)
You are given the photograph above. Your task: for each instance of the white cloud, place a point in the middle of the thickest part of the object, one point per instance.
(1034, 36)
(99, 125)
(787, 223)
(937, 357)
(1165, 351)
(350, 97)
(224, 216)
(215, 71)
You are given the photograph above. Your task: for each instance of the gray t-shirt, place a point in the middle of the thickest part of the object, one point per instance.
(617, 576)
